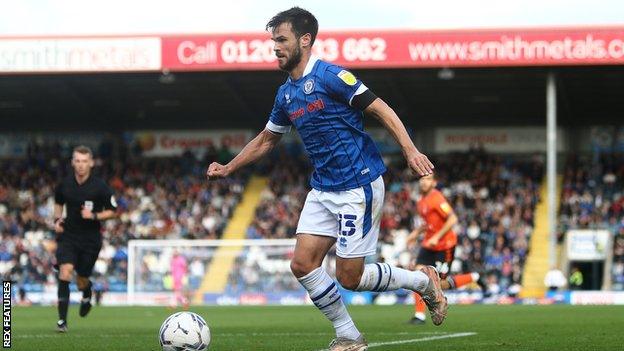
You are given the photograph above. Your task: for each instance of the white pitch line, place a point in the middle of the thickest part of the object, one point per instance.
(409, 341)
(71, 335)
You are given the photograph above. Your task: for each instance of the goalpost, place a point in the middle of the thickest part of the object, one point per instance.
(217, 271)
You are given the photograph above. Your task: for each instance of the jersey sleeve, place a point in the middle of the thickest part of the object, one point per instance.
(108, 198)
(59, 198)
(345, 87)
(278, 120)
(442, 207)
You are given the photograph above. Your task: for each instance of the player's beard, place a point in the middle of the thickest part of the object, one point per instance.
(293, 61)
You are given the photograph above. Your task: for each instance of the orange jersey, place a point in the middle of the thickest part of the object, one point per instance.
(434, 210)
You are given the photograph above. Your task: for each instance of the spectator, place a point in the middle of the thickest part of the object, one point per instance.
(576, 279)
(554, 279)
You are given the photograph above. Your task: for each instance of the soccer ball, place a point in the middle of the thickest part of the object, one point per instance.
(184, 331)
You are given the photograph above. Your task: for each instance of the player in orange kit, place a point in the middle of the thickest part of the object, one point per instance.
(438, 246)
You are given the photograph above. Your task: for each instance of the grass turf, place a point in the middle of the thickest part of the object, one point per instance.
(304, 328)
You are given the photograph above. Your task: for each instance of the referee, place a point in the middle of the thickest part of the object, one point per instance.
(88, 200)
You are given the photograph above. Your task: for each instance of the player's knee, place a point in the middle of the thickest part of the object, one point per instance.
(348, 280)
(65, 273)
(300, 268)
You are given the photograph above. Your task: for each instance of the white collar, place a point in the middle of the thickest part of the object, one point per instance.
(310, 65)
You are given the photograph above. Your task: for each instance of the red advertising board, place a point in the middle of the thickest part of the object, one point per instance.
(353, 49)
(381, 49)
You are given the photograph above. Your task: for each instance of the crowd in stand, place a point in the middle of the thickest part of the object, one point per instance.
(493, 196)
(593, 198)
(278, 211)
(157, 198)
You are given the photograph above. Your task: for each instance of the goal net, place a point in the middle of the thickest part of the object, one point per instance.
(166, 272)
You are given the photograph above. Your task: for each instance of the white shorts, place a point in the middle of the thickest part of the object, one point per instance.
(352, 217)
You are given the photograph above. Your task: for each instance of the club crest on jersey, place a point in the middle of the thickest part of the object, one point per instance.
(347, 77)
(287, 96)
(308, 86)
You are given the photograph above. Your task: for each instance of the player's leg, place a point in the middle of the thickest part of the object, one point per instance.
(87, 257)
(66, 270)
(359, 229)
(420, 308)
(424, 258)
(65, 258)
(306, 265)
(316, 234)
(444, 261)
(456, 281)
(179, 291)
(84, 285)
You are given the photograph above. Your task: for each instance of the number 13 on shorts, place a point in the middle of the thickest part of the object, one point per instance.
(346, 227)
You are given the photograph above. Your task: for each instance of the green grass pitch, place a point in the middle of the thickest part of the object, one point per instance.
(476, 327)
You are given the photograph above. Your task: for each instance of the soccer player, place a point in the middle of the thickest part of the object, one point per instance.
(325, 102)
(438, 247)
(179, 270)
(88, 201)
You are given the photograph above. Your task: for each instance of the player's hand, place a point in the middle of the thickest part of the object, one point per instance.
(216, 171)
(58, 225)
(86, 213)
(432, 242)
(420, 164)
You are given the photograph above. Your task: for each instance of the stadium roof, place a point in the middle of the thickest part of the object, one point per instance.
(587, 95)
(431, 78)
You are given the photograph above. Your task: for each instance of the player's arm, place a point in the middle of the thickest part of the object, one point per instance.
(58, 218)
(451, 220)
(413, 236)
(59, 202)
(109, 209)
(104, 215)
(416, 160)
(264, 142)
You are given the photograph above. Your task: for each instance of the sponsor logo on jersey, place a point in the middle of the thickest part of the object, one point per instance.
(315, 105)
(308, 86)
(296, 114)
(347, 77)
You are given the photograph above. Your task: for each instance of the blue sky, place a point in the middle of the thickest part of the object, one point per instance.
(76, 17)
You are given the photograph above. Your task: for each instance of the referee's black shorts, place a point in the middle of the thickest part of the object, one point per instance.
(81, 254)
(441, 260)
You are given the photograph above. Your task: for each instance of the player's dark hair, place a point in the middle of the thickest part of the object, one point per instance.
(82, 149)
(302, 22)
